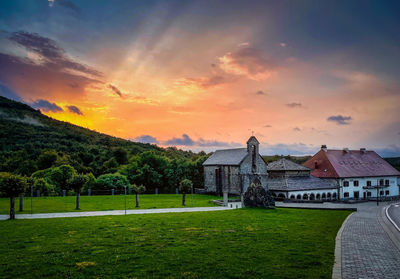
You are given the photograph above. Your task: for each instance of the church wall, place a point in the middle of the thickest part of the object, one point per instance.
(247, 174)
(209, 178)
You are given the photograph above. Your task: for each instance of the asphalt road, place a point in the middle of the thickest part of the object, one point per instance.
(394, 213)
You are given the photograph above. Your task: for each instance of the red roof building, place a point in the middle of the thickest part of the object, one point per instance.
(349, 163)
(359, 174)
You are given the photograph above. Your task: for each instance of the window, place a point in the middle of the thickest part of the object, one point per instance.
(355, 183)
(387, 182)
(345, 184)
(368, 183)
(381, 193)
(368, 194)
(356, 195)
(387, 192)
(346, 194)
(381, 182)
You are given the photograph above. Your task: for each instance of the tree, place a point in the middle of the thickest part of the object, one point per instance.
(90, 182)
(11, 186)
(43, 186)
(120, 155)
(138, 190)
(76, 182)
(47, 159)
(112, 181)
(60, 175)
(185, 187)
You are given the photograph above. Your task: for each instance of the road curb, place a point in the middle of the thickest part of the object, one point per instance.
(337, 266)
(390, 219)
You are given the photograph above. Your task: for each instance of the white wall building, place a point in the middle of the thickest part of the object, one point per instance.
(359, 174)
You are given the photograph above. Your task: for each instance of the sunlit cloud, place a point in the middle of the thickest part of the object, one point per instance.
(248, 62)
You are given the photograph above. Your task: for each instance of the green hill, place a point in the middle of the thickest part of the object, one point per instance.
(31, 141)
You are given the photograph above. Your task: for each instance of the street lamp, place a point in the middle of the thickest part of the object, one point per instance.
(125, 198)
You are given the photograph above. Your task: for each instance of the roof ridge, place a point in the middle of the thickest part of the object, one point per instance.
(230, 149)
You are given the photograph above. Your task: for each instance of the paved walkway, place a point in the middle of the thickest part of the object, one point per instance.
(369, 246)
(113, 212)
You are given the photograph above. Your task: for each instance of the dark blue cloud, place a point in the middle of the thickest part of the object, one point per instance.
(53, 55)
(185, 140)
(46, 106)
(340, 119)
(75, 110)
(146, 139)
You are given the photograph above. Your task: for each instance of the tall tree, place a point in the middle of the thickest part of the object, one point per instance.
(185, 187)
(138, 190)
(12, 185)
(76, 183)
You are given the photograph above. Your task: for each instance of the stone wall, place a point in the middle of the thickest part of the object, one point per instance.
(248, 176)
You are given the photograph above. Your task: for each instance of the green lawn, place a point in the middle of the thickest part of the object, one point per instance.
(96, 203)
(243, 243)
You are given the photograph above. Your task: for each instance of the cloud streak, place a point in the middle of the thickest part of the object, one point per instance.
(75, 110)
(115, 90)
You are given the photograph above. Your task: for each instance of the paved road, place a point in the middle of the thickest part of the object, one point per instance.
(394, 213)
(367, 249)
(113, 212)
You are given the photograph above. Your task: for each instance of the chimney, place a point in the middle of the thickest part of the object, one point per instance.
(345, 150)
(363, 150)
(324, 148)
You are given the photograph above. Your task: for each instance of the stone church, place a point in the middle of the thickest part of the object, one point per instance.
(233, 170)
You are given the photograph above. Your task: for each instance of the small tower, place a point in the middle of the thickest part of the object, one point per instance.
(252, 148)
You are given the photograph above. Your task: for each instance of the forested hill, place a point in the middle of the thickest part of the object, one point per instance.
(31, 141)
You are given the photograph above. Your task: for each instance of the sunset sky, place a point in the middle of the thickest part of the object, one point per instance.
(202, 75)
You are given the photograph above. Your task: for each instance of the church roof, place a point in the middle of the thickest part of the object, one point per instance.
(299, 183)
(285, 165)
(226, 157)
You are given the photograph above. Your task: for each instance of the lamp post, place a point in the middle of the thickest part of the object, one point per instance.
(125, 198)
(377, 192)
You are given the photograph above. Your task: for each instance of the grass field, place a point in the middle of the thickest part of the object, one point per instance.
(96, 203)
(243, 243)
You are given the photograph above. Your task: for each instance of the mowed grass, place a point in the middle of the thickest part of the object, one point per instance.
(97, 203)
(243, 243)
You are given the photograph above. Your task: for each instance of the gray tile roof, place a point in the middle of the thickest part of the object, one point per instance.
(226, 157)
(285, 165)
(298, 183)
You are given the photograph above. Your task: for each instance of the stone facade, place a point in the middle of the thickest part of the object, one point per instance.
(233, 170)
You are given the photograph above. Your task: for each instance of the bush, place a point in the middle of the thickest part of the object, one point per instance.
(43, 186)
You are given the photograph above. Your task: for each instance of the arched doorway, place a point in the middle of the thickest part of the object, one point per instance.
(305, 197)
(292, 197)
(281, 196)
(298, 197)
(318, 196)
(323, 196)
(328, 196)
(334, 196)
(312, 197)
